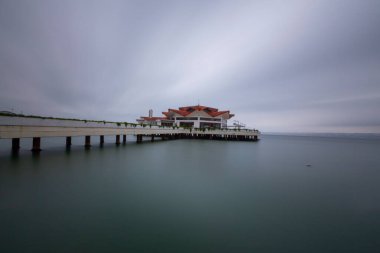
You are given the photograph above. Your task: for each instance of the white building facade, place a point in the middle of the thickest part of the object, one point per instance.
(199, 117)
(190, 116)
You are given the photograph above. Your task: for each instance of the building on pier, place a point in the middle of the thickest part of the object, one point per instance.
(190, 116)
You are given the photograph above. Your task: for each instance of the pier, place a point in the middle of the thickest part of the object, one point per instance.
(15, 128)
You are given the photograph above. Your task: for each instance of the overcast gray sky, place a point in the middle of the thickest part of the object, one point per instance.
(285, 66)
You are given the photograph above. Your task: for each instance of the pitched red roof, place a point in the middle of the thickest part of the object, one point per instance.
(198, 108)
(214, 114)
(181, 112)
(186, 110)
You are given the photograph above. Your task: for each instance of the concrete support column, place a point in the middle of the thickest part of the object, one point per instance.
(36, 144)
(101, 140)
(117, 139)
(15, 144)
(139, 138)
(124, 138)
(68, 141)
(87, 141)
(255, 138)
(152, 138)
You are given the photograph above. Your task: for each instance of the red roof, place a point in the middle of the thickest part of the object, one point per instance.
(198, 108)
(184, 111)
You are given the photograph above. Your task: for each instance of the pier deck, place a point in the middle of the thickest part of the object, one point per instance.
(22, 127)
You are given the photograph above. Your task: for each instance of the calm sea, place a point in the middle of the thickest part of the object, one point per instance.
(193, 196)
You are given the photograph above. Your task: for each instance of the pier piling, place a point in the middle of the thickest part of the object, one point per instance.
(139, 138)
(36, 147)
(87, 141)
(15, 144)
(68, 142)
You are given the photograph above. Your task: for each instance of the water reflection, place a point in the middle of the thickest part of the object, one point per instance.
(224, 196)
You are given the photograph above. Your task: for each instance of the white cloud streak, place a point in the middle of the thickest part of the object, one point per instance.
(304, 65)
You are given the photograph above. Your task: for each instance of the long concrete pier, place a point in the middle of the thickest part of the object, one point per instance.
(16, 128)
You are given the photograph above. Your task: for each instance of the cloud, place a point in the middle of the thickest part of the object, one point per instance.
(309, 66)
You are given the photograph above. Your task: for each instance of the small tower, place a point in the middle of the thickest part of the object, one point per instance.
(150, 113)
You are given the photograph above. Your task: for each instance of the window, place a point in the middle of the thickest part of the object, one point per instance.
(211, 119)
(187, 118)
(186, 124)
(209, 125)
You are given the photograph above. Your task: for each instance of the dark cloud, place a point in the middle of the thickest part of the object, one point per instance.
(278, 65)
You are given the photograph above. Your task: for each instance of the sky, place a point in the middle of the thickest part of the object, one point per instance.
(279, 66)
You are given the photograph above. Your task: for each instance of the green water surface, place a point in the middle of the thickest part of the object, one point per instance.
(194, 196)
